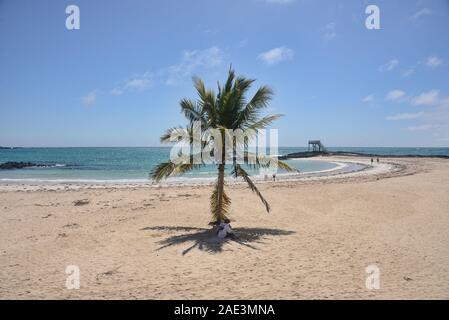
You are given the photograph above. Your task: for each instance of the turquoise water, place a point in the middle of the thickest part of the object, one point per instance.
(134, 164)
(127, 164)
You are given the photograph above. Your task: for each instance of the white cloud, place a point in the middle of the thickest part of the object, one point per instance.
(427, 98)
(405, 116)
(116, 91)
(138, 82)
(433, 61)
(192, 60)
(434, 121)
(329, 31)
(395, 95)
(276, 55)
(444, 103)
(369, 98)
(210, 31)
(408, 72)
(389, 66)
(421, 13)
(422, 127)
(91, 98)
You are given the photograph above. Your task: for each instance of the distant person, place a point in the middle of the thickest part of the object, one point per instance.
(274, 177)
(372, 161)
(224, 229)
(377, 160)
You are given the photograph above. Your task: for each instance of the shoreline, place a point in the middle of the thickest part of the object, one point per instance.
(346, 167)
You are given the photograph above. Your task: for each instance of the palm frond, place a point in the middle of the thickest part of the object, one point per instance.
(251, 111)
(228, 86)
(237, 100)
(263, 123)
(177, 132)
(240, 172)
(206, 101)
(191, 110)
(284, 166)
(169, 169)
(264, 161)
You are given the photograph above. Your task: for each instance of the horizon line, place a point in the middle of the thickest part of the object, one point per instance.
(168, 146)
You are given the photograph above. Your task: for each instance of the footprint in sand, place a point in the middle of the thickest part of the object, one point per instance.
(81, 202)
(109, 273)
(72, 226)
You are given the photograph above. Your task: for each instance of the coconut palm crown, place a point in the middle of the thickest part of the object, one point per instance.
(227, 109)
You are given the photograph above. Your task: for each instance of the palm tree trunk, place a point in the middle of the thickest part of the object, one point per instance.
(221, 215)
(220, 201)
(223, 198)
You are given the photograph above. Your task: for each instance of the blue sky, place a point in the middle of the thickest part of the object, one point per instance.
(118, 80)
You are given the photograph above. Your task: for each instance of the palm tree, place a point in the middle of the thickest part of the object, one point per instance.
(228, 109)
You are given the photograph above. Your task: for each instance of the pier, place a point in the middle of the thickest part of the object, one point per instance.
(317, 148)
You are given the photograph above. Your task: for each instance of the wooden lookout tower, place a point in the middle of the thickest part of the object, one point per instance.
(316, 146)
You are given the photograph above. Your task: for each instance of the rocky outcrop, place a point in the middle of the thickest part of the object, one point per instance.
(18, 165)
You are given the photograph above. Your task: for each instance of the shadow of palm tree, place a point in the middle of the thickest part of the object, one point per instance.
(207, 240)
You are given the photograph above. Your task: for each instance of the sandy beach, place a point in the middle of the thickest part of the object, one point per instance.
(153, 242)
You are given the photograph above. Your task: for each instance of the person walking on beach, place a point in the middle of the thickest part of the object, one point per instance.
(274, 177)
(377, 159)
(372, 160)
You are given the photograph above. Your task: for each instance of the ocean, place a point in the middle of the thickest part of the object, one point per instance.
(134, 164)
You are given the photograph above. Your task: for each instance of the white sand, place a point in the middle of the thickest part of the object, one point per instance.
(321, 235)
